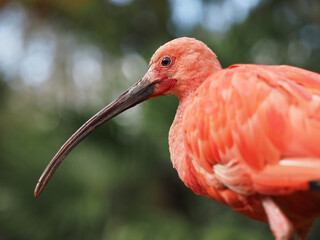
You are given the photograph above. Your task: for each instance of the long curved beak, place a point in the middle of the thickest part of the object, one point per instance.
(139, 92)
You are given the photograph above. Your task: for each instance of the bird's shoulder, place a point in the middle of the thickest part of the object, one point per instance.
(244, 77)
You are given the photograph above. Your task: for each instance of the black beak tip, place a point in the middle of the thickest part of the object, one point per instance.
(36, 191)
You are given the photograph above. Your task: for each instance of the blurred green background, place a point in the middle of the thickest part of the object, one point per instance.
(62, 61)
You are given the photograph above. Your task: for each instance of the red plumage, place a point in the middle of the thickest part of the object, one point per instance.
(255, 130)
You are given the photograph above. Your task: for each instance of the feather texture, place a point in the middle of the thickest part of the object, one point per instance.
(253, 130)
(257, 127)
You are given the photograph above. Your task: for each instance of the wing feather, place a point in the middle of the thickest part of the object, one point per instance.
(257, 117)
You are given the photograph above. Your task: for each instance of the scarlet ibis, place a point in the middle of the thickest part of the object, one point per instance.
(247, 136)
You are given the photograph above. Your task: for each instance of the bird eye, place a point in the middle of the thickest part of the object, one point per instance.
(166, 62)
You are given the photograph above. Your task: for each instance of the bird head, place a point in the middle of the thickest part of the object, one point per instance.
(178, 67)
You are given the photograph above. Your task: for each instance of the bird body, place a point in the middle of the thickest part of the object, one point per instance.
(247, 136)
(252, 130)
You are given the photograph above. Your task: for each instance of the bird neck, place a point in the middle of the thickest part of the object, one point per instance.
(178, 153)
(185, 91)
(188, 83)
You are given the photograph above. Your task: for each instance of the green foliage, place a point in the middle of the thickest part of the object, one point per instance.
(119, 183)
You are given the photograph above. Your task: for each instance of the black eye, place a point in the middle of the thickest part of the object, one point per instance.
(165, 61)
